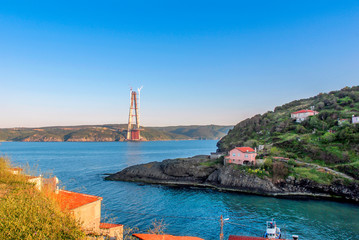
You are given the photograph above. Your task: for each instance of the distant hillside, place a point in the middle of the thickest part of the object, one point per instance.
(110, 132)
(321, 139)
(197, 132)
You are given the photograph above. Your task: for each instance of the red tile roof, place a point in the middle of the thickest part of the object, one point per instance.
(232, 237)
(304, 111)
(245, 149)
(71, 200)
(163, 237)
(109, 225)
(16, 169)
(31, 177)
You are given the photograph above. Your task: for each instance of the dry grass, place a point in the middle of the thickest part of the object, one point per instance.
(26, 213)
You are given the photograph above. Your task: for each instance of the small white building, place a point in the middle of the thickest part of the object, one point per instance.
(355, 119)
(302, 115)
(216, 155)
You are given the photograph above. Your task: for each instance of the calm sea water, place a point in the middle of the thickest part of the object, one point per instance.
(80, 167)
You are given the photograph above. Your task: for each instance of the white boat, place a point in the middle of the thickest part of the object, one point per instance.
(272, 231)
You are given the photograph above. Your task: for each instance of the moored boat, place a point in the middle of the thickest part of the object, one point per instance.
(272, 231)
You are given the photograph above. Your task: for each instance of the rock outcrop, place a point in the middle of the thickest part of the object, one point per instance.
(199, 171)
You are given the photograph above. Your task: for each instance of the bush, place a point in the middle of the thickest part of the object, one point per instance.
(268, 164)
(26, 213)
(280, 171)
(292, 162)
(275, 151)
(328, 137)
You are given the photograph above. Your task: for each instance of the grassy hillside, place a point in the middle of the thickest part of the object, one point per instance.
(110, 132)
(26, 213)
(321, 139)
(197, 132)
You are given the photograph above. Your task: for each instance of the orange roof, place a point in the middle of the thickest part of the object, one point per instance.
(143, 236)
(245, 149)
(31, 177)
(232, 237)
(304, 111)
(16, 169)
(71, 200)
(109, 225)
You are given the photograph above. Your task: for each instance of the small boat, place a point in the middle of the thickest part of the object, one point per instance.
(272, 231)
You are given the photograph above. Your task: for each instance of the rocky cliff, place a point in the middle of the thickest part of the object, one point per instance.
(199, 171)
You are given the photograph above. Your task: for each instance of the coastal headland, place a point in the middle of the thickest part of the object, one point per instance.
(111, 133)
(200, 171)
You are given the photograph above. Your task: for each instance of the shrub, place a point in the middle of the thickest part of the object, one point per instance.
(274, 151)
(328, 137)
(268, 164)
(26, 213)
(280, 171)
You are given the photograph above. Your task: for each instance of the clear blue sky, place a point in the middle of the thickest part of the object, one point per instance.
(200, 62)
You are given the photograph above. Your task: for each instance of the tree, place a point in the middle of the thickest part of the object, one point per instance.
(158, 227)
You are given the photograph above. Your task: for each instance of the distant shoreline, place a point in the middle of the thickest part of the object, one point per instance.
(161, 140)
(112, 133)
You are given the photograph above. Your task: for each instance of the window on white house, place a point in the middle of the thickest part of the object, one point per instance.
(246, 155)
(234, 154)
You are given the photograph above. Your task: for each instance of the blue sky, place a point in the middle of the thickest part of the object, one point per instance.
(200, 62)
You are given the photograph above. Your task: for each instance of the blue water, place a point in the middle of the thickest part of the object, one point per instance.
(80, 167)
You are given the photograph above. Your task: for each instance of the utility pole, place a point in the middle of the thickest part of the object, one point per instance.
(222, 223)
(221, 234)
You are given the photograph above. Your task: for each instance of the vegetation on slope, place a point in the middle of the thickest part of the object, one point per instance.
(26, 213)
(320, 139)
(110, 132)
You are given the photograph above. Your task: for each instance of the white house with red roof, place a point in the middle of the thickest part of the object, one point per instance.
(241, 155)
(301, 115)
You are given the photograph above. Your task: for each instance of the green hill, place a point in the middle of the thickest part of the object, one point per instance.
(110, 132)
(320, 139)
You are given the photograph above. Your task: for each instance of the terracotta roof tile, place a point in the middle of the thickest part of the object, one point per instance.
(232, 237)
(163, 237)
(109, 225)
(31, 177)
(71, 200)
(245, 149)
(304, 111)
(16, 169)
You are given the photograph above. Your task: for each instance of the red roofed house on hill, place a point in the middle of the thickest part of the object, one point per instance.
(241, 155)
(301, 115)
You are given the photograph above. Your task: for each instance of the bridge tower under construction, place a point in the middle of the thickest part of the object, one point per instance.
(133, 130)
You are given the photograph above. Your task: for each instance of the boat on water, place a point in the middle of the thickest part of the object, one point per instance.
(272, 231)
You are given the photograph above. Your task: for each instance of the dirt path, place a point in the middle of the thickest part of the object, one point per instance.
(321, 169)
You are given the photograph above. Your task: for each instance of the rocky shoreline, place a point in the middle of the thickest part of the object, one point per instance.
(199, 171)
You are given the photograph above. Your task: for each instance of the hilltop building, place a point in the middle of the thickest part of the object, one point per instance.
(355, 119)
(241, 155)
(302, 115)
(343, 121)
